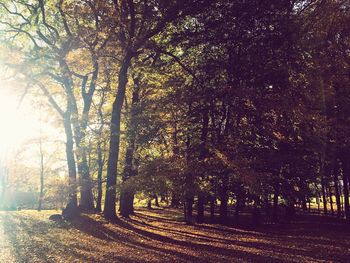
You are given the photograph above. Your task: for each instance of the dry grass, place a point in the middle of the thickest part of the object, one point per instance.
(160, 236)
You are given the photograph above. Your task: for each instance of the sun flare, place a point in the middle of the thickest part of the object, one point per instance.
(18, 122)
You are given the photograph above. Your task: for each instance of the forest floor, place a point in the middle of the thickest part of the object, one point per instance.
(161, 236)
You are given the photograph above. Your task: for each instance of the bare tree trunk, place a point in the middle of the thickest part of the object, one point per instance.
(127, 193)
(71, 209)
(275, 205)
(99, 177)
(156, 202)
(41, 194)
(224, 200)
(200, 209)
(189, 182)
(336, 187)
(346, 171)
(79, 130)
(101, 145)
(174, 200)
(149, 204)
(112, 168)
(212, 207)
(189, 209)
(330, 194)
(202, 156)
(86, 197)
(324, 195)
(238, 207)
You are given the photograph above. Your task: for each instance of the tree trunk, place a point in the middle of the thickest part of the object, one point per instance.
(41, 194)
(86, 197)
(101, 146)
(174, 200)
(341, 197)
(256, 216)
(346, 175)
(71, 209)
(189, 182)
(99, 178)
(112, 168)
(202, 156)
(290, 209)
(330, 194)
(212, 207)
(304, 204)
(163, 199)
(324, 195)
(336, 188)
(200, 209)
(79, 130)
(223, 204)
(156, 202)
(189, 210)
(275, 205)
(237, 208)
(127, 193)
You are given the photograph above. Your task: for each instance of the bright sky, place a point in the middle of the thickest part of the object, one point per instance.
(18, 123)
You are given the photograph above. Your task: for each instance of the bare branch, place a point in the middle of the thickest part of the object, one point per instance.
(43, 14)
(14, 13)
(64, 19)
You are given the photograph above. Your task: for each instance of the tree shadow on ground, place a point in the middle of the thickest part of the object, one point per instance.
(155, 242)
(307, 236)
(216, 247)
(145, 238)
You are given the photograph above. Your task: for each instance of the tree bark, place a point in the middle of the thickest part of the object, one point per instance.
(71, 209)
(237, 208)
(212, 207)
(112, 167)
(174, 200)
(127, 193)
(324, 195)
(336, 187)
(79, 130)
(330, 194)
(202, 156)
(275, 205)
(42, 170)
(223, 200)
(189, 209)
(189, 182)
(200, 209)
(304, 204)
(99, 177)
(156, 202)
(86, 197)
(346, 175)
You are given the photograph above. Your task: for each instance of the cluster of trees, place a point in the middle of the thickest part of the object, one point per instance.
(195, 101)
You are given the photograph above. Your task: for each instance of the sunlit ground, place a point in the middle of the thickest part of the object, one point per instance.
(161, 236)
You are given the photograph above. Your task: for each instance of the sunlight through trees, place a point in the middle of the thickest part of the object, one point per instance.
(216, 108)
